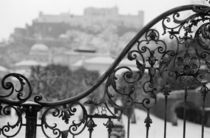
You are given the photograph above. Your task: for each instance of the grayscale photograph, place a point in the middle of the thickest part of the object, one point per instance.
(105, 69)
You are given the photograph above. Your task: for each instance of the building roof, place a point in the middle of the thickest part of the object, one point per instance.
(29, 63)
(78, 63)
(100, 60)
(39, 47)
(3, 69)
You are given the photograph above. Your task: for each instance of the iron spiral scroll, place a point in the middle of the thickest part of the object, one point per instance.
(175, 46)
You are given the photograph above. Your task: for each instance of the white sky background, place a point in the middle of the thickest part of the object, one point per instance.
(16, 13)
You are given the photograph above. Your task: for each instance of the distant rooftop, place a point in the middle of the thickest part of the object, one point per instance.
(110, 13)
(85, 51)
(92, 11)
(39, 47)
(29, 63)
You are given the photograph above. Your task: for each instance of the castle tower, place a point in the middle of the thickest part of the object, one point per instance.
(203, 2)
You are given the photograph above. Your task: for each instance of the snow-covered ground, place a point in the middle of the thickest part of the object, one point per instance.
(137, 130)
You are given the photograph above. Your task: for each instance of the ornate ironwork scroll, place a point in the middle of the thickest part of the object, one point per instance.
(170, 53)
(17, 91)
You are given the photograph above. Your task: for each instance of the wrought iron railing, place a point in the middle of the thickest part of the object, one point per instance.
(170, 54)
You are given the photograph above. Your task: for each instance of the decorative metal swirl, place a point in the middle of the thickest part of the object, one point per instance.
(18, 89)
(10, 128)
(203, 36)
(68, 116)
(149, 48)
(124, 89)
(167, 67)
(172, 51)
(101, 109)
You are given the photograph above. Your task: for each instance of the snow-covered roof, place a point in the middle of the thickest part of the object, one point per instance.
(2, 68)
(39, 47)
(78, 63)
(29, 63)
(100, 60)
(109, 60)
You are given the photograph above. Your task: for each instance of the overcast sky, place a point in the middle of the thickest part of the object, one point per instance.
(16, 13)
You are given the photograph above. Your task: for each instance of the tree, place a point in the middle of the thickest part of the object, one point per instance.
(59, 82)
(52, 81)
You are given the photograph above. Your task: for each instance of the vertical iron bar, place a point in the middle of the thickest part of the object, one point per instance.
(165, 115)
(109, 135)
(110, 126)
(128, 126)
(31, 110)
(91, 124)
(203, 119)
(147, 132)
(204, 91)
(90, 134)
(184, 115)
(148, 121)
(64, 134)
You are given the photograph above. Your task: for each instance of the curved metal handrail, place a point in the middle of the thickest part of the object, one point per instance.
(38, 99)
(64, 110)
(122, 55)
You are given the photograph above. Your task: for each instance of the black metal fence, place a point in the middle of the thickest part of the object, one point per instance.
(168, 76)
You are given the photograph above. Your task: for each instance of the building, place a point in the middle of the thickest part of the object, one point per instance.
(73, 40)
(92, 15)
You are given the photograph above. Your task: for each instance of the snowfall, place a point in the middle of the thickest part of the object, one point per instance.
(137, 130)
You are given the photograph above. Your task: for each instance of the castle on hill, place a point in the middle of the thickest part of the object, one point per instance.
(68, 39)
